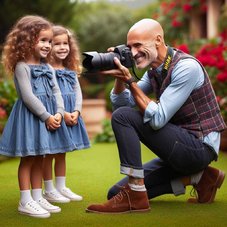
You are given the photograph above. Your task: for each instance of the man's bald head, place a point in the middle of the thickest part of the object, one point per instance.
(146, 41)
(147, 26)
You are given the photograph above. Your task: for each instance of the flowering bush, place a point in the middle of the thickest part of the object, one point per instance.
(175, 16)
(213, 56)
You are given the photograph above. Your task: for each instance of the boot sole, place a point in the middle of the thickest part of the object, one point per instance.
(123, 212)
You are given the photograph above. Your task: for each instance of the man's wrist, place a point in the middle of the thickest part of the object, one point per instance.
(130, 81)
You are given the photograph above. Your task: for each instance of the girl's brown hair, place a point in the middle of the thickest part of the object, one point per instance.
(21, 40)
(73, 60)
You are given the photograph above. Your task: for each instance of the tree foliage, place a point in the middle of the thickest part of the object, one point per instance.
(100, 25)
(60, 11)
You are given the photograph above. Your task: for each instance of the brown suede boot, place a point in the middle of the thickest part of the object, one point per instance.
(125, 201)
(206, 189)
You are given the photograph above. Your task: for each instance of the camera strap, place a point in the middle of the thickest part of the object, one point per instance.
(167, 62)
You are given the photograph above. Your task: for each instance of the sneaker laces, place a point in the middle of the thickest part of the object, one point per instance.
(55, 194)
(67, 190)
(45, 202)
(34, 205)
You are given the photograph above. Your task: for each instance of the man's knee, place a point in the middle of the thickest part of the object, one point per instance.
(119, 114)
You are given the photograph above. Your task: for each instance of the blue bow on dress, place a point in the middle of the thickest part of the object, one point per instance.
(66, 76)
(42, 75)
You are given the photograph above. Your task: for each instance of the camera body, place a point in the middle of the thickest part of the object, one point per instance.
(95, 61)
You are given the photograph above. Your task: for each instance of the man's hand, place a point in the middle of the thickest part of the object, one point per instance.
(122, 73)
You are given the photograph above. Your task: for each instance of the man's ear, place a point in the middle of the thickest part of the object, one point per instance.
(158, 40)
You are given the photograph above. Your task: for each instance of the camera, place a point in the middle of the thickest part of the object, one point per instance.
(95, 61)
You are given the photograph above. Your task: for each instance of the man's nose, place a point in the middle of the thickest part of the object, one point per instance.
(134, 52)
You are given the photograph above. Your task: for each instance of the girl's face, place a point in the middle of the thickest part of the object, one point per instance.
(60, 47)
(43, 44)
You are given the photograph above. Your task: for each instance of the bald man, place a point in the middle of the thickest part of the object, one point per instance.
(181, 126)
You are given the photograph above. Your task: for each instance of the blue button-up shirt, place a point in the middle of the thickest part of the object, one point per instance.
(186, 76)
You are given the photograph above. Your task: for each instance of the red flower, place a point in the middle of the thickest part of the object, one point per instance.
(187, 7)
(222, 77)
(224, 35)
(218, 98)
(176, 23)
(3, 113)
(206, 60)
(184, 48)
(221, 64)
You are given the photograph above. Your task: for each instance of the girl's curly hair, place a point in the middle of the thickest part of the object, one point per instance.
(21, 40)
(73, 60)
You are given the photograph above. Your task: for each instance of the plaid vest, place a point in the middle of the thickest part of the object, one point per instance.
(200, 114)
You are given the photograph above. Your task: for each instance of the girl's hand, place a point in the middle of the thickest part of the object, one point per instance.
(52, 123)
(58, 117)
(68, 119)
(75, 116)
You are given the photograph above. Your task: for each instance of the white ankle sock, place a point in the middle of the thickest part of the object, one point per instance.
(37, 194)
(195, 178)
(25, 196)
(139, 188)
(60, 182)
(49, 185)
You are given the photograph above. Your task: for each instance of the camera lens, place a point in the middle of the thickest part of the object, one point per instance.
(95, 61)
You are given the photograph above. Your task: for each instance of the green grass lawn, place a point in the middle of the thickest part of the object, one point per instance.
(90, 173)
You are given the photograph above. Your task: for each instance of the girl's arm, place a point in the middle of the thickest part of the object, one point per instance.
(73, 119)
(57, 94)
(23, 84)
(79, 98)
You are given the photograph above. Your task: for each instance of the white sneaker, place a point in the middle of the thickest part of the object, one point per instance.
(66, 192)
(47, 206)
(55, 196)
(33, 209)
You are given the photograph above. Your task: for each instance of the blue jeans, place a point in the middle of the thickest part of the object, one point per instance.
(179, 152)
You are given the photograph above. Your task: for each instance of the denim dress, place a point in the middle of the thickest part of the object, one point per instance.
(67, 82)
(24, 133)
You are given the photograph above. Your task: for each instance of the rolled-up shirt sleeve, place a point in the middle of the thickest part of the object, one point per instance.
(151, 109)
(123, 99)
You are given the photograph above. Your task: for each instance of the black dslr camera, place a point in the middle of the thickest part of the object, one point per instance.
(95, 61)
